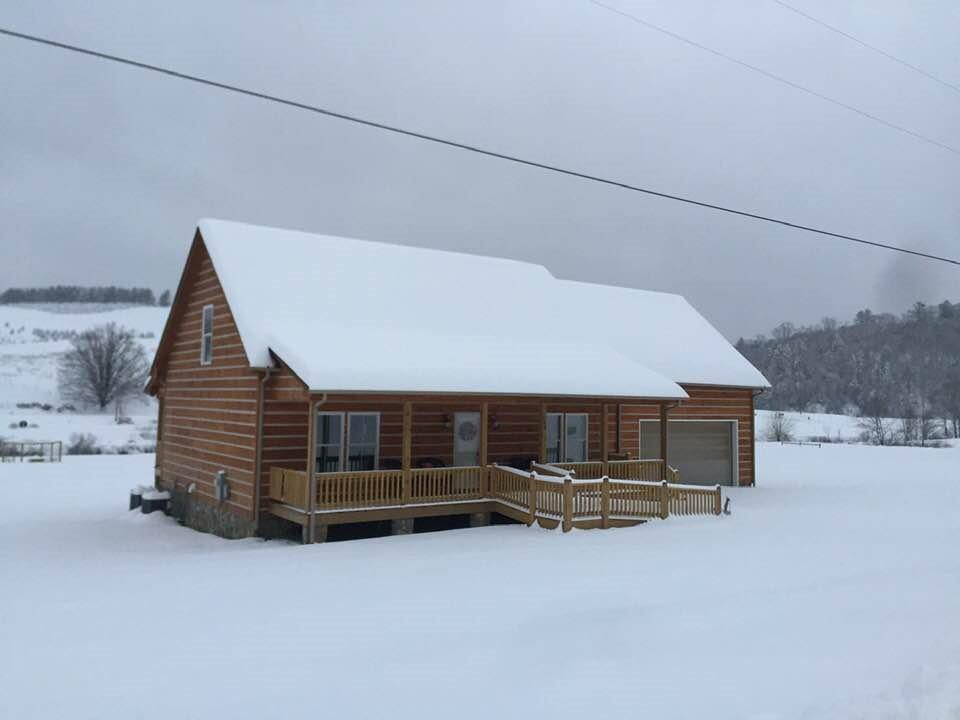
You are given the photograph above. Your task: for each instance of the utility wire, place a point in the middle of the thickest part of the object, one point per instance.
(463, 146)
(874, 48)
(777, 78)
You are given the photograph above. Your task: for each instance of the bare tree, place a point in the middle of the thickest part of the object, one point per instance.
(950, 398)
(780, 428)
(878, 427)
(106, 364)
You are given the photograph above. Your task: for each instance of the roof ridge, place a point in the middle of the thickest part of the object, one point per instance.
(208, 221)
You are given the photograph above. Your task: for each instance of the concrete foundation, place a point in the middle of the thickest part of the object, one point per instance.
(481, 519)
(402, 526)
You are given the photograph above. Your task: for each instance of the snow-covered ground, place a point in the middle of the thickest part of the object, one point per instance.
(832, 591)
(806, 426)
(31, 342)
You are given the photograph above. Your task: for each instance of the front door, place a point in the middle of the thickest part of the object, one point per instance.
(466, 438)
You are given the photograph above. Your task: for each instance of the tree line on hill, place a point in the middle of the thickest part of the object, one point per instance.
(877, 366)
(77, 294)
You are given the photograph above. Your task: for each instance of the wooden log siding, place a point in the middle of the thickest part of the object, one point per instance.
(286, 411)
(513, 424)
(209, 411)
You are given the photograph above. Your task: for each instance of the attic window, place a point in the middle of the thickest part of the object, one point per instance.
(206, 336)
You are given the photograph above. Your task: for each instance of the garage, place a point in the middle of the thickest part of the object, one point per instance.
(703, 451)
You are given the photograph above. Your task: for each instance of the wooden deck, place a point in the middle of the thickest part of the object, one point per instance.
(594, 494)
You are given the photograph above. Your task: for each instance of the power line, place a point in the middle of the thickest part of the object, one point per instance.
(874, 48)
(463, 146)
(777, 78)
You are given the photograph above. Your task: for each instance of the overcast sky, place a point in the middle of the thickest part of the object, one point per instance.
(105, 169)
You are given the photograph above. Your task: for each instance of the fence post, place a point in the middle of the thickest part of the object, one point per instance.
(567, 504)
(532, 497)
(716, 501)
(664, 500)
(605, 502)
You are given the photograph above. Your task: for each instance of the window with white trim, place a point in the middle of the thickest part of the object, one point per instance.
(347, 441)
(206, 336)
(567, 437)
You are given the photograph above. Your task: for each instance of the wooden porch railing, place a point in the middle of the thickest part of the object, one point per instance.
(359, 489)
(589, 469)
(511, 486)
(693, 500)
(532, 496)
(647, 470)
(443, 484)
(288, 487)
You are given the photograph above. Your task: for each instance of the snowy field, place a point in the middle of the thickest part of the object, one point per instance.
(31, 342)
(806, 426)
(832, 591)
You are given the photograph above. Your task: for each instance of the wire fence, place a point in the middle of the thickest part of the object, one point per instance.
(31, 451)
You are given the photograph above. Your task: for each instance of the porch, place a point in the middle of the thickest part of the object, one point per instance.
(550, 495)
(541, 468)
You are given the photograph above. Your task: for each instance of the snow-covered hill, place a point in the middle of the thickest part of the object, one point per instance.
(31, 342)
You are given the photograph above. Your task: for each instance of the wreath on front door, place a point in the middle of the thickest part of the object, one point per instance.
(467, 431)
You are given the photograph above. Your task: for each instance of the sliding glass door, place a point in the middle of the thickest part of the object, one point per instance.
(566, 437)
(347, 441)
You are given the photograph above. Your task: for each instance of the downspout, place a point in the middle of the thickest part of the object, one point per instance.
(664, 438)
(753, 432)
(259, 450)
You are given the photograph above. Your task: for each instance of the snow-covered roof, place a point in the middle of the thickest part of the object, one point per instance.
(355, 315)
(664, 332)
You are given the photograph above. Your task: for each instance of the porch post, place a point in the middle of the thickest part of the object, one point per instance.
(407, 451)
(663, 438)
(484, 444)
(620, 428)
(543, 432)
(309, 534)
(605, 437)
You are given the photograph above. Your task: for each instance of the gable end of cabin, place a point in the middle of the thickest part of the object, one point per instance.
(209, 399)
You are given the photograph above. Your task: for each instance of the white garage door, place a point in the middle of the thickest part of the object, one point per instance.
(701, 451)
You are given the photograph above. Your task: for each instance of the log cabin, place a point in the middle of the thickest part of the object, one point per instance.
(309, 381)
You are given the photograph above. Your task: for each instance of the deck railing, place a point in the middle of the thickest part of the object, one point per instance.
(359, 489)
(443, 484)
(693, 500)
(647, 470)
(530, 496)
(588, 469)
(288, 487)
(511, 486)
